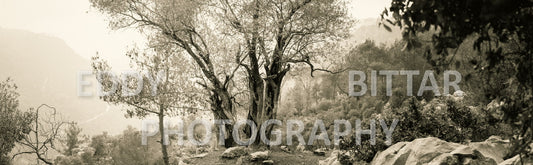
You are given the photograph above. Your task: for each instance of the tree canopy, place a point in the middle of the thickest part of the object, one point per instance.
(502, 35)
(256, 39)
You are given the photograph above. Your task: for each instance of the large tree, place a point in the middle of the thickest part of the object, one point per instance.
(263, 36)
(275, 35)
(502, 34)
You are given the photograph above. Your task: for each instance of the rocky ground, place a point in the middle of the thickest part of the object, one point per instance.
(244, 156)
(435, 151)
(419, 151)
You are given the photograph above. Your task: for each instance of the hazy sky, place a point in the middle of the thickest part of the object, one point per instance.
(85, 30)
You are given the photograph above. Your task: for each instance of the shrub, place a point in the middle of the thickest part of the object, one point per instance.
(444, 118)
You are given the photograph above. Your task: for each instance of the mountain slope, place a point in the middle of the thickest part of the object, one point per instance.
(368, 29)
(46, 71)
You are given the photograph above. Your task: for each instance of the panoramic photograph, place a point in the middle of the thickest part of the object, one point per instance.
(262, 82)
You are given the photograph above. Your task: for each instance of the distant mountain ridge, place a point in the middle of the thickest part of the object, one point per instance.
(46, 71)
(370, 29)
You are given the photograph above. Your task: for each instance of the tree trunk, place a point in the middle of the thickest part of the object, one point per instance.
(256, 106)
(256, 97)
(161, 116)
(218, 113)
(272, 94)
(255, 81)
(264, 92)
(264, 104)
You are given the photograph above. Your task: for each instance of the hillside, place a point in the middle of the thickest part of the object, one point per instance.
(368, 29)
(45, 69)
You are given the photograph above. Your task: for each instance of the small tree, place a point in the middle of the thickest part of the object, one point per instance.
(72, 140)
(14, 124)
(166, 88)
(43, 135)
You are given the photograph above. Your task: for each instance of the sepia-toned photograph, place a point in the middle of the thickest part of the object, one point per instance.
(266, 82)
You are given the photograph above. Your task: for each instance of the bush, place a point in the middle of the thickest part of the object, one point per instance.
(444, 118)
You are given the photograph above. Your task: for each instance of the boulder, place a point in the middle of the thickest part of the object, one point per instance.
(435, 151)
(494, 147)
(259, 155)
(234, 152)
(517, 161)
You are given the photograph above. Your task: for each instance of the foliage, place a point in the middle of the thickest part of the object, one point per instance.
(14, 124)
(467, 119)
(166, 87)
(446, 119)
(72, 140)
(121, 149)
(126, 149)
(165, 83)
(503, 36)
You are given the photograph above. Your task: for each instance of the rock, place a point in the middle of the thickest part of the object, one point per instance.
(181, 162)
(463, 151)
(186, 159)
(346, 158)
(285, 149)
(201, 150)
(300, 148)
(434, 151)
(494, 147)
(516, 161)
(319, 152)
(331, 160)
(200, 155)
(458, 95)
(240, 161)
(494, 104)
(475, 158)
(259, 155)
(234, 152)
(268, 162)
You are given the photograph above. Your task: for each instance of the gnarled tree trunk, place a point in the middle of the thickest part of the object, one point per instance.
(218, 105)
